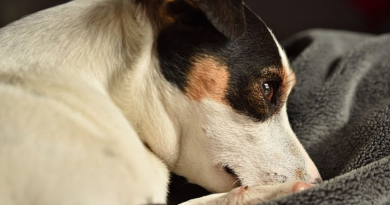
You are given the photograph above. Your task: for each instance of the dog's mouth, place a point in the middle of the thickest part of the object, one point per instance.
(231, 172)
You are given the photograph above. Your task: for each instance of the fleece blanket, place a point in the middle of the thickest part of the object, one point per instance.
(340, 111)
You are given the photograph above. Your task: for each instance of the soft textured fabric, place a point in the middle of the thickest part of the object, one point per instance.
(340, 111)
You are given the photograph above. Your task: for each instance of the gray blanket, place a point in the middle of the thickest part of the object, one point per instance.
(340, 110)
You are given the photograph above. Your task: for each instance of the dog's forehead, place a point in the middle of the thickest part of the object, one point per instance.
(205, 64)
(256, 50)
(256, 59)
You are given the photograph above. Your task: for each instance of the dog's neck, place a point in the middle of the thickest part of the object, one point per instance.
(142, 93)
(108, 47)
(132, 78)
(144, 97)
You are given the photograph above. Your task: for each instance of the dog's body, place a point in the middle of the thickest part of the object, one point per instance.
(100, 99)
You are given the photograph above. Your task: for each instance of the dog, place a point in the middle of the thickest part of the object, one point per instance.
(101, 99)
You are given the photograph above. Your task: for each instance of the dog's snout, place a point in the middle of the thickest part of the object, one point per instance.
(316, 181)
(312, 174)
(312, 171)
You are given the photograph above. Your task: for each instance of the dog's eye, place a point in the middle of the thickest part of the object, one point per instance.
(269, 89)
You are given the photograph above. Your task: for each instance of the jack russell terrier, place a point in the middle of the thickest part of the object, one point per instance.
(101, 99)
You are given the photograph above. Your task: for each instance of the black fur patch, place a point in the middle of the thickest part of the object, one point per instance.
(247, 58)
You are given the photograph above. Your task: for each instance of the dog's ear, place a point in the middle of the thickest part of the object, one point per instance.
(227, 16)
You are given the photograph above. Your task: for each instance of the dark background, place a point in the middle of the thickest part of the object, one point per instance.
(284, 17)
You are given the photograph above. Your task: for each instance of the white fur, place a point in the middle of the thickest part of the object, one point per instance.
(310, 166)
(81, 93)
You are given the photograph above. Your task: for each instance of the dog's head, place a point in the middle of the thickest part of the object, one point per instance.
(233, 129)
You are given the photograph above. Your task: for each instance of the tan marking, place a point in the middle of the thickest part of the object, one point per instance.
(207, 79)
(156, 11)
(242, 190)
(289, 80)
(299, 173)
(163, 13)
(257, 98)
(165, 18)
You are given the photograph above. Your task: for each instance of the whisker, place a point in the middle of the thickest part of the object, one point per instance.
(286, 83)
(291, 80)
(234, 183)
(292, 72)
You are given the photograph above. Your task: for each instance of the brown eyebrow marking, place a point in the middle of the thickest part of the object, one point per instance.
(288, 82)
(163, 13)
(285, 76)
(207, 79)
(156, 10)
(272, 73)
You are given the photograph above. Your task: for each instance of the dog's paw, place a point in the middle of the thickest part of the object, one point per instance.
(250, 195)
